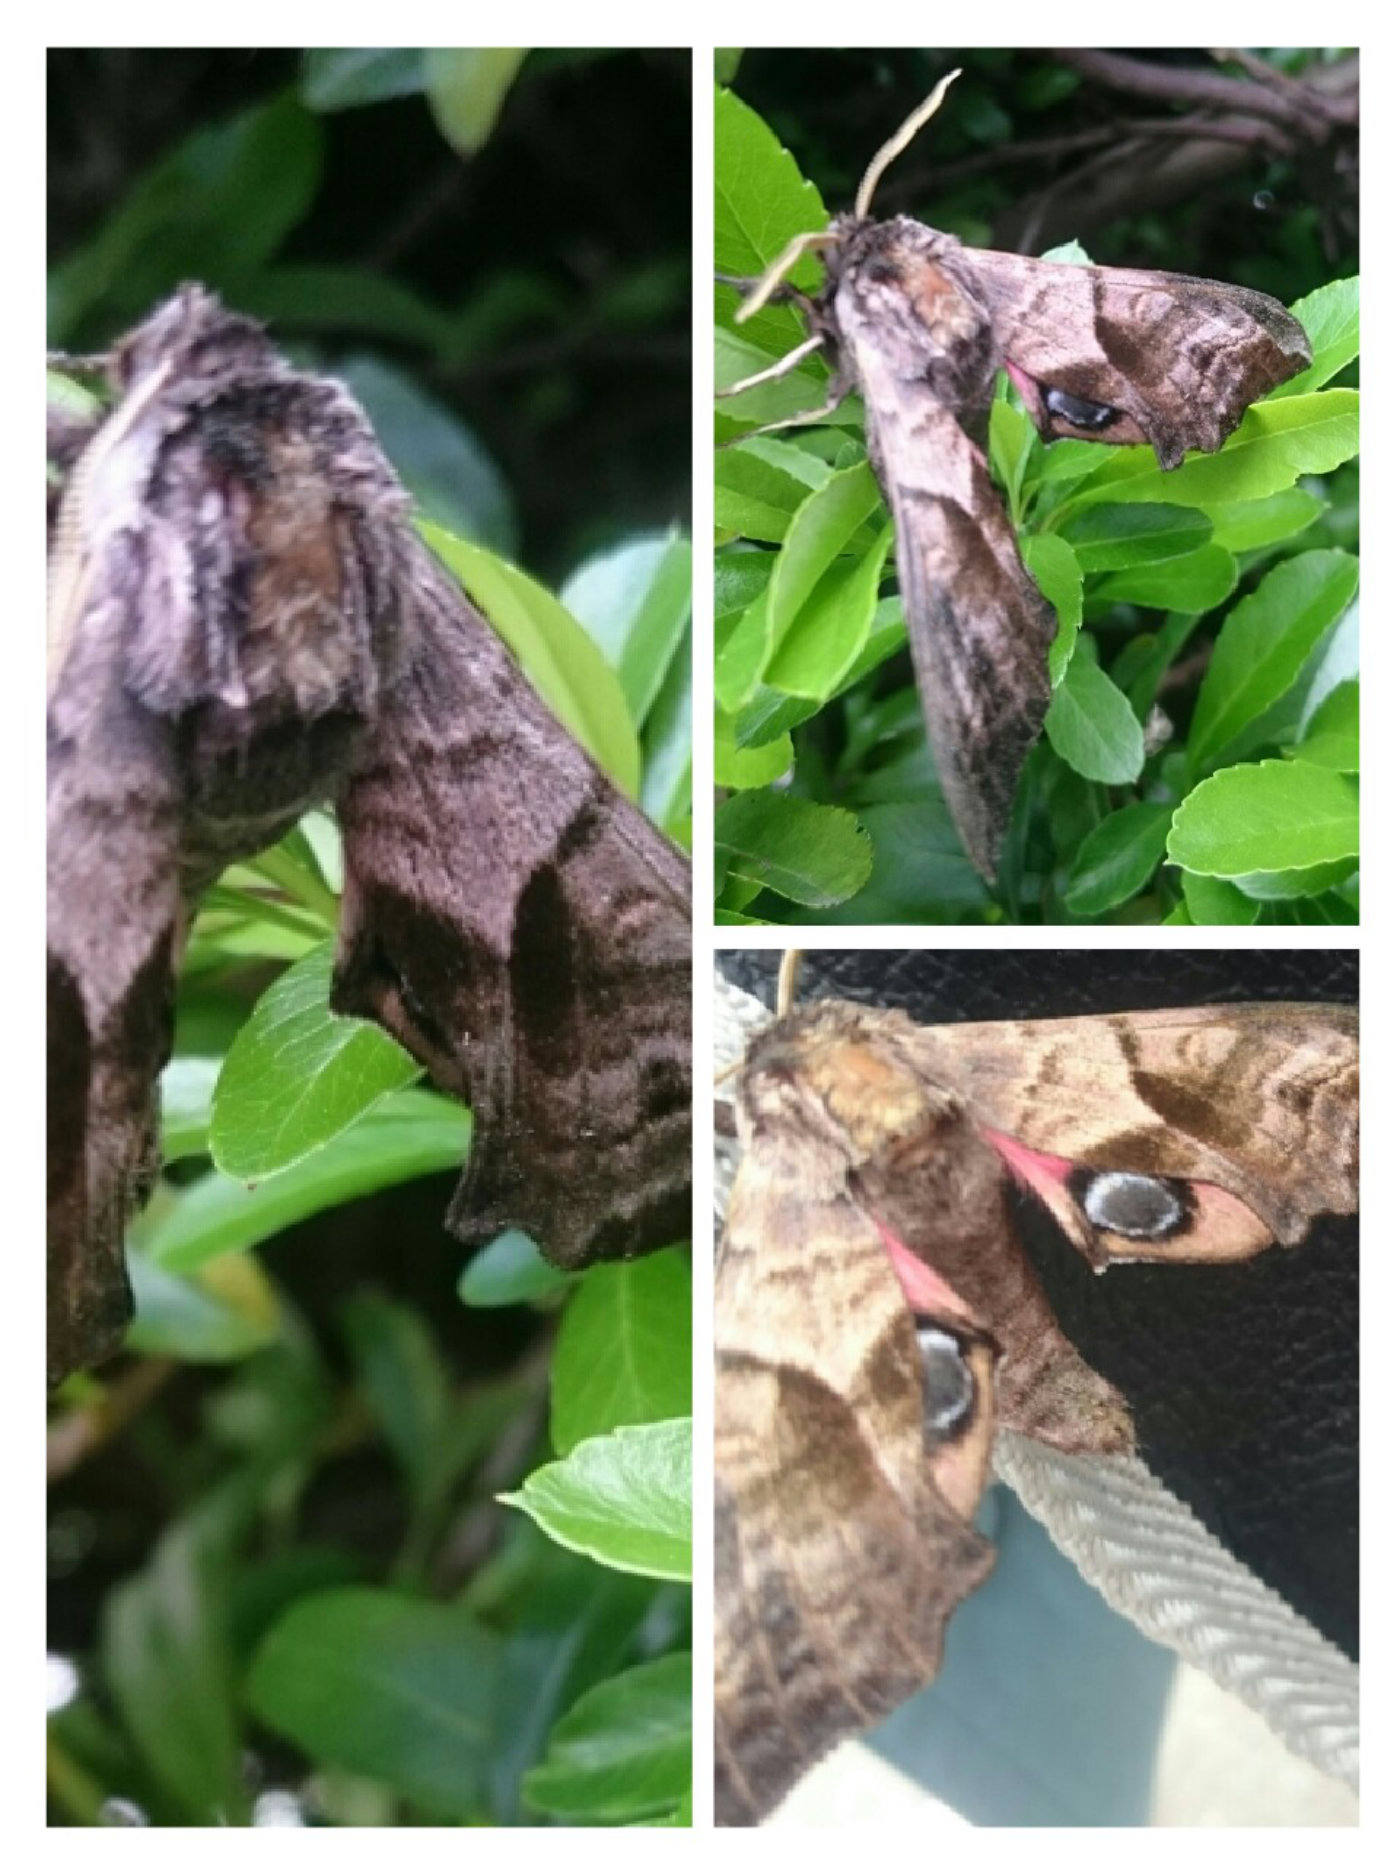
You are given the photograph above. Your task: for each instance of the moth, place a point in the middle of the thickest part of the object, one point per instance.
(918, 325)
(877, 1318)
(243, 623)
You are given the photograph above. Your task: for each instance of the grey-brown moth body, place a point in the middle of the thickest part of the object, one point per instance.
(918, 325)
(876, 1314)
(243, 623)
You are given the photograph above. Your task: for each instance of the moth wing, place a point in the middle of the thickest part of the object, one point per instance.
(842, 1543)
(979, 629)
(1181, 358)
(114, 930)
(1258, 1101)
(524, 931)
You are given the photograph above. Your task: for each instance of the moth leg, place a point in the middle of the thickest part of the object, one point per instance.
(774, 370)
(841, 386)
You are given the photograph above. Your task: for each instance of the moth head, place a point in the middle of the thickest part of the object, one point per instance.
(1117, 1213)
(190, 334)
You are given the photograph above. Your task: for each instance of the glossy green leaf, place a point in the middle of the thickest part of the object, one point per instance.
(466, 88)
(297, 1074)
(1127, 537)
(830, 628)
(1275, 443)
(811, 853)
(623, 1499)
(1092, 725)
(623, 1751)
(634, 600)
(1270, 817)
(403, 1691)
(1216, 903)
(561, 660)
(623, 1352)
(1057, 574)
(405, 1136)
(167, 1662)
(1264, 644)
(508, 1270)
(1332, 318)
(1333, 737)
(1118, 858)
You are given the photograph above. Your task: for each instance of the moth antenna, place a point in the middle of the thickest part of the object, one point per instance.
(900, 141)
(774, 370)
(70, 565)
(70, 365)
(799, 244)
(788, 972)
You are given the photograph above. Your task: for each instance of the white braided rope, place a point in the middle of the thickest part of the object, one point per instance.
(1149, 1555)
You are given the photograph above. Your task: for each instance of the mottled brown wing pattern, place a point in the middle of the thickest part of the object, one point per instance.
(525, 932)
(919, 324)
(874, 1199)
(243, 625)
(1180, 358)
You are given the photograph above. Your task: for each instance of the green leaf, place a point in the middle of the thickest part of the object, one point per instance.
(1266, 818)
(623, 1352)
(1118, 858)
(811, 853)
(1188, 585)
(827, 633)
(344, 77)
(1332, 318)
(761, 201)
(623, 1752)
(405, 1136)
(821, 531)
(1264, 645)
(1333, 737)
(1216, 903)
(758, 487)
(187, 1086)
(1092, 726)
(1126, 537)
(1254, 524)
(166, 1661)
(561, 660)
(1275, 444)
(634, 600)
(741, 768)
(509, 1270)
(400, 1377)
(623, 1499)
(297, 1075)
(1057, 573)
(402, 1691)
(466, 89)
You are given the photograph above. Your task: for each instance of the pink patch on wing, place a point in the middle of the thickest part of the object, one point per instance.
(1026, 388)
(1040, 1173)
(925, 1290)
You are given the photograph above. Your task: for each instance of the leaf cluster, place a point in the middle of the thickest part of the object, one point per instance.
(1199, 762)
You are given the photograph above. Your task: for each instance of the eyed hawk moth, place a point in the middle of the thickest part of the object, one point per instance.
(918, 325)
(877, 1318)
(242, 624)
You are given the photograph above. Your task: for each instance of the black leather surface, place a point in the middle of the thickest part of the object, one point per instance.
(1243, 1378)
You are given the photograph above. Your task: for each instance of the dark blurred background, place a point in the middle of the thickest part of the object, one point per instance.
(1155, 158)
(506, 290)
